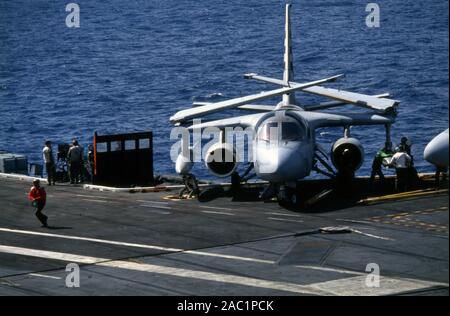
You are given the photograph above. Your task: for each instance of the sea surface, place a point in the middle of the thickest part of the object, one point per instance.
(132, 64)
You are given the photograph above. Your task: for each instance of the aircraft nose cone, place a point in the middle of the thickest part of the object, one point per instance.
(436, 152)
(283, 164)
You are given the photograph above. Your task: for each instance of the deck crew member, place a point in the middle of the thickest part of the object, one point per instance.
(75, 159)
(401, 161)
(38, 198)
(405, 145)
(90, 162)
(49, 161)
(382, 154)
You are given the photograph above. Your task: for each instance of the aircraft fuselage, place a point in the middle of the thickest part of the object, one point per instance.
(283, 147)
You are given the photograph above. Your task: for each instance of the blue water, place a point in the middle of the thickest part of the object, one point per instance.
(132, 64)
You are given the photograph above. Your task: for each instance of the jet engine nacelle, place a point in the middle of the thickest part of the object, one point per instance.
(347, 154)
(221, 159)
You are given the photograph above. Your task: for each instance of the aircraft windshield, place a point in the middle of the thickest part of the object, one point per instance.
(268, 130)
(290, 131)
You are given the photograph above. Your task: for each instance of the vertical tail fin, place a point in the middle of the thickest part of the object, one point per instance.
(288, 64)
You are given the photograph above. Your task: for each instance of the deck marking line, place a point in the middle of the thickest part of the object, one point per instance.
(167, 271)
(44, 276)
(118, 243)
(285, 220)
(282, 214)
(343, 286)
(216, 208)
(154, 202)
(93, 196)
(156, 206)
(97, 201)
(217, 212)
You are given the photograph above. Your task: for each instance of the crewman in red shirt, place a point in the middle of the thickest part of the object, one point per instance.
(38, 197)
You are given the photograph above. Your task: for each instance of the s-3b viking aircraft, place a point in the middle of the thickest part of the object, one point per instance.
(284, 141)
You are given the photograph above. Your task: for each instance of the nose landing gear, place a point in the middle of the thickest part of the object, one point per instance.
(286, 195)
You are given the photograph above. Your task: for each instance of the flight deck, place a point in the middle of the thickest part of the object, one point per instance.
(147, 244)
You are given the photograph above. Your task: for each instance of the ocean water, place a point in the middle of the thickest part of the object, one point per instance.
(132, 64)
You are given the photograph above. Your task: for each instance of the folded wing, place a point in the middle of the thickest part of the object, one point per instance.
(192, 113)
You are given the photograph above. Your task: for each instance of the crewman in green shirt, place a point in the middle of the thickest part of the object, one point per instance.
(385, 152)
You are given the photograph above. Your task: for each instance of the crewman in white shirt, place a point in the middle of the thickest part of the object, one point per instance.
(49, 161)
(401, 161)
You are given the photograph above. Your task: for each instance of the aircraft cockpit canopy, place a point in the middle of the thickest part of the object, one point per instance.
(287, 129)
